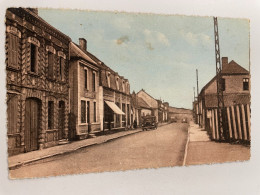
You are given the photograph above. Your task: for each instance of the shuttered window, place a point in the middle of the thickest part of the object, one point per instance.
(12, 110)
(61, 69)
(13, 51)
(50, 65)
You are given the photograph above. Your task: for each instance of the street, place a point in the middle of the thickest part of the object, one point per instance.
(163, 147)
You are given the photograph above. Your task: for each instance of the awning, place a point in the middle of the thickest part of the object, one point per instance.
(114, 107)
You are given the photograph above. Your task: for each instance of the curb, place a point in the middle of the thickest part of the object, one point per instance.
(186, 148)
(18, 165)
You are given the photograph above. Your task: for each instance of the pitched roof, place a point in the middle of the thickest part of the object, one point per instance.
(233, 68)
(76, 51)
(142, 103)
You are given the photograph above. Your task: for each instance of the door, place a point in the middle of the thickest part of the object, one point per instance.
(61, 120)
(32, 116)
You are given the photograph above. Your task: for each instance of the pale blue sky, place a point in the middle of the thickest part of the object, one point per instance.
(159, 53)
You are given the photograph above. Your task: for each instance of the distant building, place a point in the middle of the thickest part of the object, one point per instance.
(37, 59)
(180, 113)
(163, 111)
(236, 89)
(84, 92)
(144, 105)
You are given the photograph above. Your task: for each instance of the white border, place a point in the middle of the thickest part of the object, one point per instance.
(229, 178)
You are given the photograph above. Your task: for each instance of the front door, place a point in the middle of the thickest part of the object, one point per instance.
(61, 120)
(32, 116)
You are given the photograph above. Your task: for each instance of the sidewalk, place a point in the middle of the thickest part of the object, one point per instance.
(27, 158)
(201, 150)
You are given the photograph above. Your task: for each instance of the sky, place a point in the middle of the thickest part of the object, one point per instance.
(157, 53)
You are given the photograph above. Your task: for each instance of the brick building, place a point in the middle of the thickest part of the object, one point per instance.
(84, 92)
(236, 89)
(37, 57)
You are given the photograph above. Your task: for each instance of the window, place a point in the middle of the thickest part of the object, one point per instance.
(83, 111)
(223, 84)
(12, 110)
(50, 114)
(117, 84)
(246, 84)
(88, 113)
(34, 53)
(123, 109)
(50, 65)
(95, 111)
(94, 81)
(108, 79)
(86, 78)
(13, 50)
(61, 69)
(123, 86)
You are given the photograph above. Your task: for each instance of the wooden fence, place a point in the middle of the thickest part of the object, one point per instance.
(236, 123)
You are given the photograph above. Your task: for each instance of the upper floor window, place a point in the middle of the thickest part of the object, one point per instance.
(94, 81)
(34, 57)
(13, 49)
(61, 68)
(223, 84)
(245, 84)
(123, 85)
(108, 79)
(117, 84)
(86, 78)
(50, 65)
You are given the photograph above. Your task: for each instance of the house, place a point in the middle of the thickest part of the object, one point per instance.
(114, 98)
(37, 59)
(235, 84)
(84, 92)
(163, 111)
(144, 105)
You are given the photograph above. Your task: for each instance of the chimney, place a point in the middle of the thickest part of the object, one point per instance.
(83, 44)
(224, 61)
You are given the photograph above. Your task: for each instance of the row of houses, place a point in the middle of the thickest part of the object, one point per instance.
(58, 90)
(235, 83)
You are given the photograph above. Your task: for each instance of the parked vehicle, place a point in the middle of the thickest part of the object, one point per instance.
(184, 120)
(173, 119)
(149, 122)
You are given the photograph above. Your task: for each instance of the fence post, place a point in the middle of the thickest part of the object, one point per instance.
(244, 121)
(239, 123)
(216, 116)
(234, 121)
(229, 123)
(249, 122)
(213, 124)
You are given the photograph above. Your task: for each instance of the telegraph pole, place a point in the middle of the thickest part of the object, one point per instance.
(220, 97)
(198, 99)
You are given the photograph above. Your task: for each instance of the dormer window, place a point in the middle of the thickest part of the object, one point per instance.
(123, 85)
(117, 83)
(108, 79)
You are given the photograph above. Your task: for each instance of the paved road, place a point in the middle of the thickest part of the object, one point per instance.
(149, 149)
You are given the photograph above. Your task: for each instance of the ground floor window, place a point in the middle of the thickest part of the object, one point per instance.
(83, 111)
(50, 114)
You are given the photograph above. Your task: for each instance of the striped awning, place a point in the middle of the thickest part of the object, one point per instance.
(114, 107)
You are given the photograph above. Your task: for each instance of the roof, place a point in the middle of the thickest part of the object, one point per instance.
(211, 100)
(76, 51)
(142, 90)
(142, 103)
(233, 68)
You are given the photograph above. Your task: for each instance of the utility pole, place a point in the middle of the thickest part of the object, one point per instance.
(193, 93)
(220, 97)
(198, 99)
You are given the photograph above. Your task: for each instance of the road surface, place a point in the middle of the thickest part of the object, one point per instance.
(163, 147)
